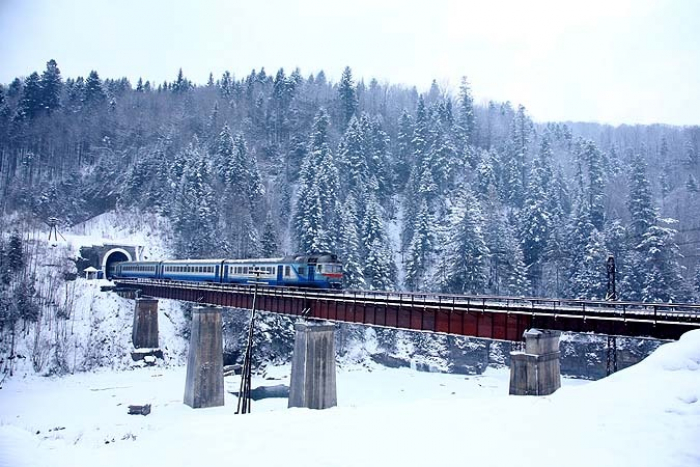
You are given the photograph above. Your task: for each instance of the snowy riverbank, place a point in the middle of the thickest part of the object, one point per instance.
(647, 415)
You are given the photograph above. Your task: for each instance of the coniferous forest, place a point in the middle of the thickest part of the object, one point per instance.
(415, 191)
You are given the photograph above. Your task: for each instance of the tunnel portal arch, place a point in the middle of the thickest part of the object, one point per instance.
(113, 256)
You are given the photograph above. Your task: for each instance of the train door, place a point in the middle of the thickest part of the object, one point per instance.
(312, 270)
(279, 273)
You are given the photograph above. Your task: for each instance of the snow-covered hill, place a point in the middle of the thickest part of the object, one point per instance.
(80, 328)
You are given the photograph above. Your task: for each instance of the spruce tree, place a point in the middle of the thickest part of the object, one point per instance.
(347, 96)
(376, 250)
(663, 281)
(51, 86)
(507, 273)
(404, 152)
(269, 244)
(466, 254)
(15, 253)
(590, 274)
(349, 249)
(32, 97)
(352, 158)
(639, 202)
(94, 92)
(420, 251)
(535, 224)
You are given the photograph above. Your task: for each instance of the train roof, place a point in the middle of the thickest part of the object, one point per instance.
(256, 260)
(192, 261)
(285, 259)
(137, 262)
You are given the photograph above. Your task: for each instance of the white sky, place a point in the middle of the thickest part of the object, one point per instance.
(613, 61)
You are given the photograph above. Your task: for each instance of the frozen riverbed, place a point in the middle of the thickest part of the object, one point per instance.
(645, 415)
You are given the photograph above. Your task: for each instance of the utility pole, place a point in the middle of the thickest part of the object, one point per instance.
(244, 405)
(611, 296)
(612, 293)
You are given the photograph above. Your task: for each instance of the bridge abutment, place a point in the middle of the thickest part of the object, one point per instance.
(144, 334)
(205, 360)
(536, 372)
(313, 383)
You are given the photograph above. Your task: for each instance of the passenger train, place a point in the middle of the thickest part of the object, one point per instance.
(318, 271)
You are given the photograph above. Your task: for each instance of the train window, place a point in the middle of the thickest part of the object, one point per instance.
(302, 270)
(320, 267)
(286, 271)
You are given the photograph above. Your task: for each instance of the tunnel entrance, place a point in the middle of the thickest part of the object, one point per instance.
(114, 257)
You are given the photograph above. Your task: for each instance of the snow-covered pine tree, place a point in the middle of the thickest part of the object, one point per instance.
(663, 281)
(195, 212)
(466, 118)
(30, 104)
(507, 274)
(378, 258)
(592, 160)
(347, 96)
(51, 87)
(349, 248)
(404, 151)
(308, 195)
(352, 158)
(642, 212)
(466, 254)
(269, 244)
(590, 275)
(534, 225)
(421, 250)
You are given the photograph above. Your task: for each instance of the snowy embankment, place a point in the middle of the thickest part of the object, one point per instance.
(80, 328)
(646, 415)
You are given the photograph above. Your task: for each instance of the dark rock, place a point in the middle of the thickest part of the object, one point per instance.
(390, 361)
(140, 409)
(140, 354)
(267, 392)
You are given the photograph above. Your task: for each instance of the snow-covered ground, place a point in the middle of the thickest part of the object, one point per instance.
(646, 415)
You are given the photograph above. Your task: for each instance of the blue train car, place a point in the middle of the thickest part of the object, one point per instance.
(322, 271)
(318, 271)
(137, 269)
(202, 270)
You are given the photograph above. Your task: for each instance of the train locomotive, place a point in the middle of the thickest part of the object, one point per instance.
(315, 271)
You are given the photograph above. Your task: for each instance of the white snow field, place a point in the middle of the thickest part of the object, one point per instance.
(646, 415)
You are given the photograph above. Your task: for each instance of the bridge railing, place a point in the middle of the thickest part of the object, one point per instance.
(681, 313)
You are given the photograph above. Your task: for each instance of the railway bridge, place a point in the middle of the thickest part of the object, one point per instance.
(533, 372)
(502, 318)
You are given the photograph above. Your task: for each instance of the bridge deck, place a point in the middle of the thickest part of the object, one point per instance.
(504, 318)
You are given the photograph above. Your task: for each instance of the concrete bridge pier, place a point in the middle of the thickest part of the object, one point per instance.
(312, 383)
(536, 371)
(205, 360)
(144, 334)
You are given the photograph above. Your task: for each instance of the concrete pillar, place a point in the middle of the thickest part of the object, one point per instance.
(205, 361)
(535, 372)
(144, 334)
(312, 383)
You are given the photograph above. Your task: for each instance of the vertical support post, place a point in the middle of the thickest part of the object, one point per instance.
(611, 293)
(612, 355)
(144, 334)
(312, 383)
(205, 360)
(536, 372)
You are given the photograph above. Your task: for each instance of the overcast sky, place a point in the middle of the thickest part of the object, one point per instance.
(613, 61)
